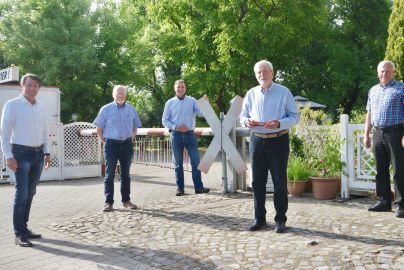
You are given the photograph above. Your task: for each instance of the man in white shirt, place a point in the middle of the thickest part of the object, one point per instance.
(24, 142)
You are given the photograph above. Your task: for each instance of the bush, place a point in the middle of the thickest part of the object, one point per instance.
(298, 170)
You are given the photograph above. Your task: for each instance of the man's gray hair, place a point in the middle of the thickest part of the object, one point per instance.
(264, 62)
(385, 62)
(117, 87)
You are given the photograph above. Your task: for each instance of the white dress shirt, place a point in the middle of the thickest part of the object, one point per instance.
(23, 123)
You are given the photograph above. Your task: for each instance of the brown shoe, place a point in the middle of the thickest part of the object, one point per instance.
(129, 205)
(108, 207)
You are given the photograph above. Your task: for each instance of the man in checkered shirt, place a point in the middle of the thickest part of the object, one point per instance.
(386, 114)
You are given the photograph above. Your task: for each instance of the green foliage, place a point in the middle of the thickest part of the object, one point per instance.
(54, 39)
(357, 117)
(313, 117)
(395, 42)
(297, 145)
(326, 159)
(298, 170)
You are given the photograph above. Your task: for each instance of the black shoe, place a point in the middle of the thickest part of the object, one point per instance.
(257, 225)
(180, 192)
(202, 190)
(32, 235)
(280, 227)
(23, 241)
(380, 207)
(400, 212)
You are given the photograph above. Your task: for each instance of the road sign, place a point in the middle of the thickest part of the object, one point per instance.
(221, 139)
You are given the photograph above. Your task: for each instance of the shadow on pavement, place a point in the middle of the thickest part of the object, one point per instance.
(225, 223)
(116, 257)
(344, 237)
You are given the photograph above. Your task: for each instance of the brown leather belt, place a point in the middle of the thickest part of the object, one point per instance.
(271, 135)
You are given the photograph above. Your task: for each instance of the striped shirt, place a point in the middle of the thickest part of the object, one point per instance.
(274, 103)
(179, 112)
(386, 104)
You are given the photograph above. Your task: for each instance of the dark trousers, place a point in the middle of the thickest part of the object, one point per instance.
(387, 149)
(270, 154)
(114, 151)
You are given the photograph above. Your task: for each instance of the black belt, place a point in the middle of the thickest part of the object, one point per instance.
(27, 147)
(119, 141)
(392, 127)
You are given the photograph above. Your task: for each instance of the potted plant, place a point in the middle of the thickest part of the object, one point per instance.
(298, 175)
(327, 166)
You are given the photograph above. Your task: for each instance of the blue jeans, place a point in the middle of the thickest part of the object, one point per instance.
(114, 151)
(30, 165)
(187, 140)
(270, 154)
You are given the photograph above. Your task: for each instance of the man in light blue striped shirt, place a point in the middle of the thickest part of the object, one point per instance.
(179, 117)
(117, 124)
(269, 110)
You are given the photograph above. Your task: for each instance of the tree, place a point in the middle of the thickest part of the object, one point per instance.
(395, 41)
(214, 44)
(55, 40)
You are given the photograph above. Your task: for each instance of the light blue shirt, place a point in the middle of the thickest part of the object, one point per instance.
(274, 103)
(23, 123)
(179, 112)
(117, 122)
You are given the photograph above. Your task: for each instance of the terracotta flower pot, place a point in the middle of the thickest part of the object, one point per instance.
(324, 188)
(296, 189)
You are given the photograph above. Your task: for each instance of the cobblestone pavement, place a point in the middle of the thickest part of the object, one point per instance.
(205, 231)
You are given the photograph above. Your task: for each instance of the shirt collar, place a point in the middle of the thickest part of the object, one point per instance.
(391, 83)
(120, 106)
(266, 90)
(183, 97)
(25, 100)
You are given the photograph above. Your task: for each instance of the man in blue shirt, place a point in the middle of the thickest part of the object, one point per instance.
(179, 118)
(117, 124)
(386, 114)
(269, 110)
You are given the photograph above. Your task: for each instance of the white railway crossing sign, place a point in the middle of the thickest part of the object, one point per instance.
(221, 139)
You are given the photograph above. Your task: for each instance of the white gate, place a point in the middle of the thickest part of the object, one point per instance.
(359, 172)
(72, 155)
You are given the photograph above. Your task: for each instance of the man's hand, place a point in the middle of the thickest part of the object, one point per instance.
(181, 129)
(272, 124)
(12, 164)
(47, 160)
(402, 141)
(252, 123)
(367, 142)
(205, 97)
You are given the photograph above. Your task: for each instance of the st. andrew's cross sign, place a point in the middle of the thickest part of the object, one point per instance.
(221, 139)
